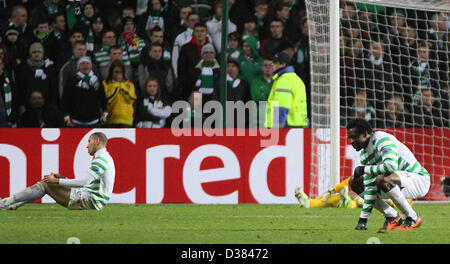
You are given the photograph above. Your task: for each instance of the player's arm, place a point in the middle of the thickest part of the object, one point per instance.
(76, 183)
(389, 155)
(92, 174)
(54, 178)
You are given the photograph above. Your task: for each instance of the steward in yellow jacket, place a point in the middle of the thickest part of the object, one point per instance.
(286, 105)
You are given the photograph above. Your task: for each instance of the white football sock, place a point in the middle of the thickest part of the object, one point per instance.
(30, 194)
(399, 199)
(384, 207)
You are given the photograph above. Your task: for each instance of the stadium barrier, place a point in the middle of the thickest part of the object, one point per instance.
(156, 166)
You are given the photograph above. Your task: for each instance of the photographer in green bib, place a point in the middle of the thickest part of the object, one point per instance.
(286, 105)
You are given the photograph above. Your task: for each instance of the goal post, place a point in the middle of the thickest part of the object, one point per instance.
(387, 62)
(323, 23)
(334, 94)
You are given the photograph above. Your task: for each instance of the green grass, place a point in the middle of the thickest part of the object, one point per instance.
(205, 224)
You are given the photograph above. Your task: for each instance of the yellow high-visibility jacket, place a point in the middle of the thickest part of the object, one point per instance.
(287, 100)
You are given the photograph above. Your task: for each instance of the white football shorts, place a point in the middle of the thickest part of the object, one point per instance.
(80, 200)
(414, 186)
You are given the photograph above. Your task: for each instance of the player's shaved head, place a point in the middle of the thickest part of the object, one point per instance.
(101, 136)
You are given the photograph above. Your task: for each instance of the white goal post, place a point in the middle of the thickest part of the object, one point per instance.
(366, 60)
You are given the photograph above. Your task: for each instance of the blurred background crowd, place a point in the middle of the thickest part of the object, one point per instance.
(114, 63)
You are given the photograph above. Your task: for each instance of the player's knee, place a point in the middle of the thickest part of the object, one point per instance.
(48, 187)
(45, 185)
(384, 182)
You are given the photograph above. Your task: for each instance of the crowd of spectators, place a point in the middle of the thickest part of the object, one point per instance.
(122, 63)
(395, 66)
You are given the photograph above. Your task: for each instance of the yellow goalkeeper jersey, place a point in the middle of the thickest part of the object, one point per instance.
(120, 98)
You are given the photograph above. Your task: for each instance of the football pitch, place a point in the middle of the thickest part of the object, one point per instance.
(213, 224)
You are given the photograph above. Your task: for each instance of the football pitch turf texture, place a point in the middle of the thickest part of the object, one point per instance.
(213, 224)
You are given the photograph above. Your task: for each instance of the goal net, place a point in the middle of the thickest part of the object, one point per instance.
(394, 72)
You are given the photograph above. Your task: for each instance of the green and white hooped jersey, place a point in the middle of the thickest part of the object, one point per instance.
(102, 58)
(103, 172)
(385, 155)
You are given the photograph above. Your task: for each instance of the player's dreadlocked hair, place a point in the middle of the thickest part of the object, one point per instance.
(361, 125)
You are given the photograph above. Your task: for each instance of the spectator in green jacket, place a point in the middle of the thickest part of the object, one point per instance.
(262, 83)
(249, 59)
(260, 86)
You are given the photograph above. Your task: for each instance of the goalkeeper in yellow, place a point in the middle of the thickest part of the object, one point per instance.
(338, 196)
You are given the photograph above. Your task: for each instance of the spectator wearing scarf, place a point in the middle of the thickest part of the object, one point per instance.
(190, 55)
(206, 67)
(44, 35)
(156, 16)
(38, 73)
(154, 64)
(131, 43)
(153, 108)
(84, 98)
(8, 102)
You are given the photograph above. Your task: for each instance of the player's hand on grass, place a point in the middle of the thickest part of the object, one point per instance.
(358, 172)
